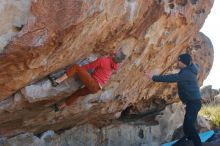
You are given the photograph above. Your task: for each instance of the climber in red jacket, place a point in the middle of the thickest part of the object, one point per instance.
(102, 70)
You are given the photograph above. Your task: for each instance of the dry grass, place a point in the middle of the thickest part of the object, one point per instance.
(212, 112)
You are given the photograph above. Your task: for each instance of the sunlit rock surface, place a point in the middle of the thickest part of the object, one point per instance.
(58, 33)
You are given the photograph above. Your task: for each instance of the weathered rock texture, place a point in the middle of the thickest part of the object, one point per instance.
(209, 95)
(132, 133)
(89, 136)
(14, 14)
(60, 32)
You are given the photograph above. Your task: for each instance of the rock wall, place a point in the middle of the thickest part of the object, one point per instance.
(135, 132)
(209, 95)
(61, 32)
(90, 136)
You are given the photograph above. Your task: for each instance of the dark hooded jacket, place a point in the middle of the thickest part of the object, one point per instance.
(187, 82)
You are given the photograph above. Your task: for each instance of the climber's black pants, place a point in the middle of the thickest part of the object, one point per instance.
(192, 109)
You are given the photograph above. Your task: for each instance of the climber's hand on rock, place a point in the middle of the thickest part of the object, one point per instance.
(150, 74)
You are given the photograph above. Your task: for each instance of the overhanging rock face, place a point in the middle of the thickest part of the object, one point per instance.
(61, 32)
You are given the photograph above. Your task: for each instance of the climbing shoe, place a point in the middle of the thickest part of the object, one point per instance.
(53, 81)
(55, 108)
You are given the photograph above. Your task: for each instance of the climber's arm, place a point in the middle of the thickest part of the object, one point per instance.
(62, 78)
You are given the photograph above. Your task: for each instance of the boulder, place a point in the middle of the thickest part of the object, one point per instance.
(54, 34)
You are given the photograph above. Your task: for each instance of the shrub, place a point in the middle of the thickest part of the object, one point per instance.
(212, 112)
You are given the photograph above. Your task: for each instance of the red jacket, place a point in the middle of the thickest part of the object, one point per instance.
(103, 68)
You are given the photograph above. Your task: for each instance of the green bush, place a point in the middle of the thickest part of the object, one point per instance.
(212, 112)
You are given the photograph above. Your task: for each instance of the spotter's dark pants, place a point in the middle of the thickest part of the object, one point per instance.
(192, 109)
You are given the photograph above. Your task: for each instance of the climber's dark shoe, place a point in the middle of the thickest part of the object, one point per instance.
(53, 81)
(55, 107)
